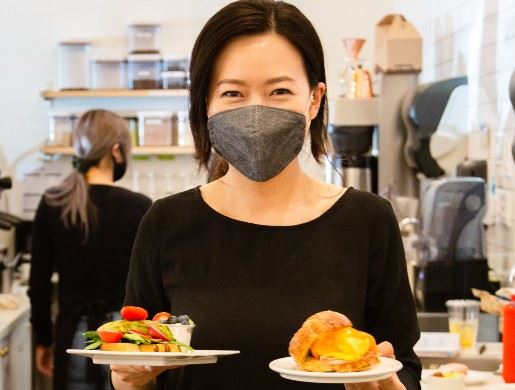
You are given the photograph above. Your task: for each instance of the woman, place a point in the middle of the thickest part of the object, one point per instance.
(83, 230)
(251, 255)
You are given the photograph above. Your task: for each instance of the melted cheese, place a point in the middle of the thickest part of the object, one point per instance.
(347, 344)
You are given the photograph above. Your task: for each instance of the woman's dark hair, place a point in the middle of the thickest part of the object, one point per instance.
(246, 18)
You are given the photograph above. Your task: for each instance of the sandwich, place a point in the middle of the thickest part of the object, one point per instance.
(327, 342)
(134, 333)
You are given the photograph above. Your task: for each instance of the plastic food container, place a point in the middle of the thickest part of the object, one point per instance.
(144, 71)
(184, 135)
(109, 74)
(155, 128)
(182, 333)
(60, 129)
(131, 119)
(74, 65)
(175, 80)
(172, 63)
(144, 38)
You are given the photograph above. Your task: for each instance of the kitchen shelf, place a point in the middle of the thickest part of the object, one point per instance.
(136, 150)
(114, 93)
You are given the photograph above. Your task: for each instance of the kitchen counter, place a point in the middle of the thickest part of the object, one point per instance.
(485, 357)
(9, 319)
(493, 382)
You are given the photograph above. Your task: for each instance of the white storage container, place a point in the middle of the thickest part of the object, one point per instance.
(155, 128)
(109, 74)
(175, 80)
(144, 71)
(74, 65)
(60, 129)
(144, 38)
(184, 135)
(172, 63)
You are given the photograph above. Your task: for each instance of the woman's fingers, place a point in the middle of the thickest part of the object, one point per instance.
(386, 349)
(45, 361)
(391, 383)
(138, 375)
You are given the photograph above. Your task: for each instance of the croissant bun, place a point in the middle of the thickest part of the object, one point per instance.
(312, 329)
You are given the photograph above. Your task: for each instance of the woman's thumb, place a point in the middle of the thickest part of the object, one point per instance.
(386, 349)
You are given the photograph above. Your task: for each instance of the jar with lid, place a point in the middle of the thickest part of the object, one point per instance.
(144, 71)
(155, 128)
(144, 38)
(60, 128)
(173, 63)
(109, 73)
(175, 80)
(184, 135)
(74, 65)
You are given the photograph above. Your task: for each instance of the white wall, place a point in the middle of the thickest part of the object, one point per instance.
(477, 38)
(32, 28)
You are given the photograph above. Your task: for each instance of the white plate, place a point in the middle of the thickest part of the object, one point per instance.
(152, 358)
(288, 369)
(472, 377)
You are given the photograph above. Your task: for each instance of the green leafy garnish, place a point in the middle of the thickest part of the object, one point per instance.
(94, 345)
(137, 339)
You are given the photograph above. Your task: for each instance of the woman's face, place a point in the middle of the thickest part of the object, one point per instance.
(262, 70)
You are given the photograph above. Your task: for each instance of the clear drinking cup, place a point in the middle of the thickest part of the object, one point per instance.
(464, 320)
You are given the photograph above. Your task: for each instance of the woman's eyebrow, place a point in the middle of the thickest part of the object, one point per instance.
(273, 80)
(279, 79)
(231, 81)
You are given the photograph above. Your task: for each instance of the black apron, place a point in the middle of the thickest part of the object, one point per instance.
(72, 372)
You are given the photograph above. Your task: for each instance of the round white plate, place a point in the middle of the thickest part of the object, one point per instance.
(288, 369)
(153, 358)
(472, 377)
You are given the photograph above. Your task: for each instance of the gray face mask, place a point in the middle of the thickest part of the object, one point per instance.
(259, 141)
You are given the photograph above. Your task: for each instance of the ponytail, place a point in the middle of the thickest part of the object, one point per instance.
(94, 137)
(72, 197)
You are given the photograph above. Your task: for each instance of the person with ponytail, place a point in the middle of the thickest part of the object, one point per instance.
(84, 230)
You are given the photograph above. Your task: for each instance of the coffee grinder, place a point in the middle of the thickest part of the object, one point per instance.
(353, 119)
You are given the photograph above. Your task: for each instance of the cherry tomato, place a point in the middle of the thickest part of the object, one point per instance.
(161, 316)
(133, 313)
(110, 336)
(156, 334)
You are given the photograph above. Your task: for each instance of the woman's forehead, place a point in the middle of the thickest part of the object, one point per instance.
(259, 58)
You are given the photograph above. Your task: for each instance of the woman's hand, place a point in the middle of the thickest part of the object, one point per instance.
(45, 360)
(135, 377)
(390, 383)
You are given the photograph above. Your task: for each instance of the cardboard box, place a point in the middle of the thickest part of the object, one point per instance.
(398, 46)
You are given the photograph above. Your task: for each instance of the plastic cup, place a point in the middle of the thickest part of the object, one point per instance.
(464, 320)
(456, 382)
(182, 333)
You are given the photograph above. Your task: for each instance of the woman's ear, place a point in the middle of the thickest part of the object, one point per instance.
(317, 95)
(116, 152)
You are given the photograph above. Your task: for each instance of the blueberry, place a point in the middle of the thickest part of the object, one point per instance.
(183, 317)
(185, 322)
(173, 320)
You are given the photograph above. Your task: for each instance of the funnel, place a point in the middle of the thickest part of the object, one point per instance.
(353, 46)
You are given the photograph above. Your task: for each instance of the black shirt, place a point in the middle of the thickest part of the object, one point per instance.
(249, 287)
(94, 271)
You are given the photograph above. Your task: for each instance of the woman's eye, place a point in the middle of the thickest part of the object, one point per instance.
(281, 91)
(231, 94)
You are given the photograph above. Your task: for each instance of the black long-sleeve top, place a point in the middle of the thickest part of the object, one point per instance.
(91, 272)
(249, 287)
